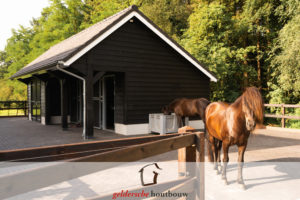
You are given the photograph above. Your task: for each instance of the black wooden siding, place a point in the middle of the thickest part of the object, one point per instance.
(154, 73)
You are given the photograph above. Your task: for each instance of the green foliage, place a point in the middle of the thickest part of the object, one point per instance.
(57, 22)
(209, 38)
(170, 15)
(286, 57)
(244, 42)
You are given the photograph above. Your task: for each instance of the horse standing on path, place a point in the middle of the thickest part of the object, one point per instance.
(184, 107)
(231, 124)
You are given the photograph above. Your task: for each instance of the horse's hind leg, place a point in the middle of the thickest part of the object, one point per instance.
(225, 160)
(240, 179)
(219, 146)
(213, 149)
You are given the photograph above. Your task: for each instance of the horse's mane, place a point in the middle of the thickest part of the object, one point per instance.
(252, 99)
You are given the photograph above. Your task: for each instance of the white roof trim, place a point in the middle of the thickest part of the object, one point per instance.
(150, 26)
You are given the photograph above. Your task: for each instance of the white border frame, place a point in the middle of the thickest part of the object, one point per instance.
(150, 26)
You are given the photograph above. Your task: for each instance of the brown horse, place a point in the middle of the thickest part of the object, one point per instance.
(232, 124)
(184, 107)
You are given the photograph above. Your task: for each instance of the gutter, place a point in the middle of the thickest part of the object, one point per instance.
(58, 67)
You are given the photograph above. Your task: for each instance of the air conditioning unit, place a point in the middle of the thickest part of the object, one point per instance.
(162, 124)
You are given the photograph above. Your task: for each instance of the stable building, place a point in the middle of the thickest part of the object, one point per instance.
(111, 76)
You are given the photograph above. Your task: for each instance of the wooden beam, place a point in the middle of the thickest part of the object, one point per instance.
(200, 158)
(56, 150)
(185, 156)
(283, 113)
(44, 176)
(137, 152)
(284, 105)
(98, 76)
(89, 132)
(61, 157)
(57, 74)
(282, 116)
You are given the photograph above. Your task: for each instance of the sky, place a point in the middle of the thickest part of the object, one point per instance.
(17, 12)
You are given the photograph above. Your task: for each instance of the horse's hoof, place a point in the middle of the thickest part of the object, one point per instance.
(225, 182)
(242, 186)
(224, 178)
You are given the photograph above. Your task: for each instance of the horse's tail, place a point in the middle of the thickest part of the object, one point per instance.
(201, 105)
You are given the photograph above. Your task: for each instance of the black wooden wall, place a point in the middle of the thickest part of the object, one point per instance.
(153, 73)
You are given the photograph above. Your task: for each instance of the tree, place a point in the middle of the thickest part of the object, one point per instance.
(209, 38)
(285, 62)
(171, 15)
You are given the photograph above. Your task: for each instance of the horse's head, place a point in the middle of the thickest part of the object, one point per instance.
(165, 110)
(252, 107)
(249, 117)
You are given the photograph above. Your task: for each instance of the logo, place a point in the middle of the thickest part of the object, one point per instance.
(155, 174)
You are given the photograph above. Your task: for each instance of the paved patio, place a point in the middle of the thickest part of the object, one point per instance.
(18, 133)
(279, 178)
(264, 145)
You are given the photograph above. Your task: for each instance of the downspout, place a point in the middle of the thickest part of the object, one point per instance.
(60, 63)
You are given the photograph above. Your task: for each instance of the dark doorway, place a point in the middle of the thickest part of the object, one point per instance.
(98, 104)
(53, 104)
(36, 100)
(109, 90)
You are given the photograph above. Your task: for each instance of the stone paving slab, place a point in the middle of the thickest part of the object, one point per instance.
(19, 133)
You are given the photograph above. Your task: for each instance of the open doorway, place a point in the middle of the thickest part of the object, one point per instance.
(109, 102)
(104, 102)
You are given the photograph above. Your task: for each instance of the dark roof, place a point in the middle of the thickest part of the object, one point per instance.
(72, 45)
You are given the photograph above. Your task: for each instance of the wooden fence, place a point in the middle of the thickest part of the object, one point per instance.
(190, 146)
(283, 115)
(13, 108)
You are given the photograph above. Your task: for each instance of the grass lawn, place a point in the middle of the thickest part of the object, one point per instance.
(13, 112)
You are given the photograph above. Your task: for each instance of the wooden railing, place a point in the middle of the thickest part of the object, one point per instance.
(283, 115)
(13, 108)
(108, 153)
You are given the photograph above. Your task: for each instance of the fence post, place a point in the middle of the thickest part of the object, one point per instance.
(186, 155)
(8, 108)
(25, 108)
(283, 113)
(200, 158)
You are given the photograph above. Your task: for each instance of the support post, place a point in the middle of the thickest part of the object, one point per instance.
(200, 158)
(89, 104)
(186, 160)
(64, 104)
(283, 113)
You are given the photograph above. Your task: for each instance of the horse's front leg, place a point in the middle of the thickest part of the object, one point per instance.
(225, 160)
(240, 179)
